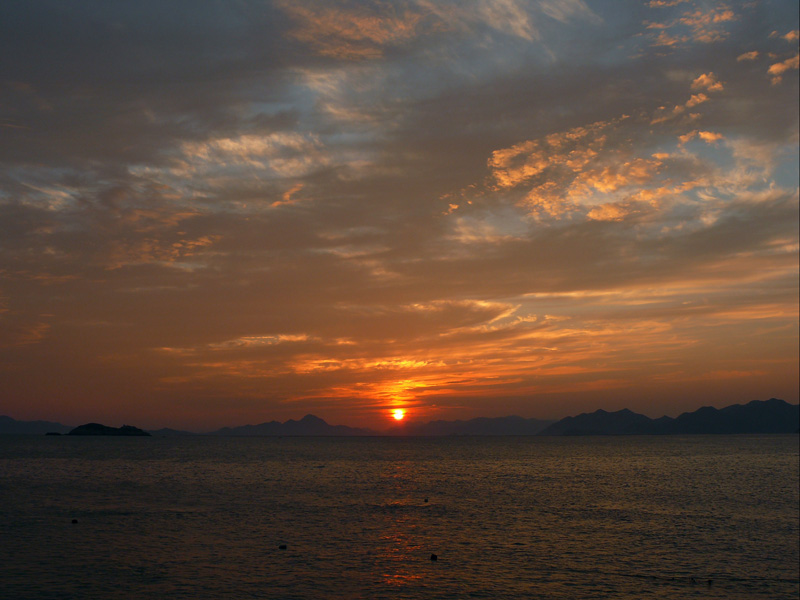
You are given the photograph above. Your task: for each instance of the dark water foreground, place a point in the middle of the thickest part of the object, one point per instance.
(617, 517)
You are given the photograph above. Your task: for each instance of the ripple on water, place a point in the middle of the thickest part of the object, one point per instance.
(506, 517)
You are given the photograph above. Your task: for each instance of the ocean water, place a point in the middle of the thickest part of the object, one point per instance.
(520, 517)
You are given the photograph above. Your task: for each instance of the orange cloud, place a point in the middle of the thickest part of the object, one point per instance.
(580, 173)
(664, 3)
(707, 81)
(778, 69)
(748, 56)
(608, 212)
(696, 99)
(662, 115)
(611, 178)
(705, 25)
(286, 154)
(708, 137)
(664, 39)
(288, 196)
(573, 149)
(351, 32)
(557, 167)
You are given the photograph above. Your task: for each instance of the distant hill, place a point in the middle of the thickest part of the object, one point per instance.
(308, 425)
(768, 416)
(758, 416)
(480, 426)
(98, 429)
(601, 422)
(14, 427)
(167, 432)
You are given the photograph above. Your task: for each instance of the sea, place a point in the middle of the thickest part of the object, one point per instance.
(667, 517)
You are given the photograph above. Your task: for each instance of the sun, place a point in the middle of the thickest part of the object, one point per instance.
(398, 414)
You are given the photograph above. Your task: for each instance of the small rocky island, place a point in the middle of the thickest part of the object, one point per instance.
(98, 429)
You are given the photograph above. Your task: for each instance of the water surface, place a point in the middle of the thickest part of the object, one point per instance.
(518, 517)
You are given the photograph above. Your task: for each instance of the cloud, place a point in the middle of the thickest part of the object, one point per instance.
(288, 196)
(778, 69)
(705, 25)
(512, 17)
(178, 253)
(752, 55)
(357, 31)
(709, 137)
(665, 3)
(666, 40)
(284, 154)
(561, 167)
(696, 99)
(572, 149)
(692, 26)
(595, 172)
(352, 31)
(524, 20)
(707, 81)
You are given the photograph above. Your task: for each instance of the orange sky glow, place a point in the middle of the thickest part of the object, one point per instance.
(354, 209)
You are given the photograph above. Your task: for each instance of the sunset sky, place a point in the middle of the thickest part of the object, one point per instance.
(227, 212)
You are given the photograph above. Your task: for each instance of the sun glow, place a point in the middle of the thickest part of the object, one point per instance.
(398, 414)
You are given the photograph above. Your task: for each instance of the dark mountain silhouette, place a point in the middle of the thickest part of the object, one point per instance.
(168, 432)
(601, 422)
(767, 416)
(308, 425)
(12, 426)
(480, 426)
(98, 429)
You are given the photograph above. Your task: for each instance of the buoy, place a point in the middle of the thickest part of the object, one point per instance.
(74, 521)
(426, 499)
(282, 547)
(434, 557)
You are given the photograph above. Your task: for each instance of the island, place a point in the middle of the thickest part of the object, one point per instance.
(98, 429)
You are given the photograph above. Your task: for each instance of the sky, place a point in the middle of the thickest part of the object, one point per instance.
(227, 212)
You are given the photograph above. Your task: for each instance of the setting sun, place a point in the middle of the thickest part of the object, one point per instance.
(398, 414)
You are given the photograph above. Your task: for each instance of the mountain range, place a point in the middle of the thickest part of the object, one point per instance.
(308, 425)
(11, 426)
(98, 429)
(767, 416)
